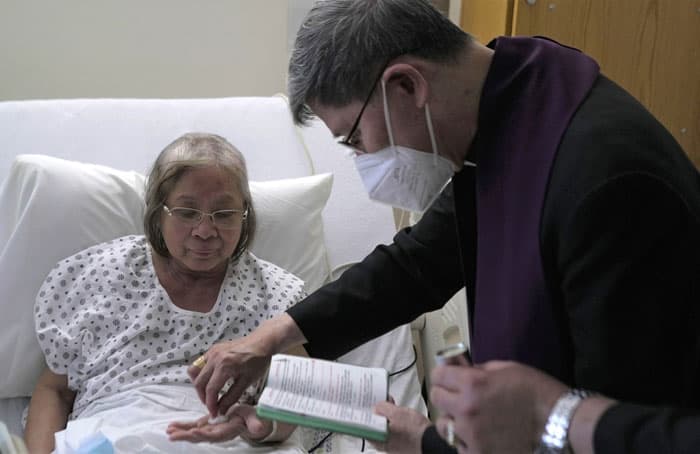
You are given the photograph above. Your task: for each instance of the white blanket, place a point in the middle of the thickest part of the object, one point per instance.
(135, 422)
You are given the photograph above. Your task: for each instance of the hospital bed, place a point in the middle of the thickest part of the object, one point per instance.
(70, 171)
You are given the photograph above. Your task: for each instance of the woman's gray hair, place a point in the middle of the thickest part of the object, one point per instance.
(342, 45)
(190, 151)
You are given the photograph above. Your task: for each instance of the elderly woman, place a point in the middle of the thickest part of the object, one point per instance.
(119, 323)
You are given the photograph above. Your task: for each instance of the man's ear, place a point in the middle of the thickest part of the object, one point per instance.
(409, 80)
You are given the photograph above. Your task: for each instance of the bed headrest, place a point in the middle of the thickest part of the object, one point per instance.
(127, 134)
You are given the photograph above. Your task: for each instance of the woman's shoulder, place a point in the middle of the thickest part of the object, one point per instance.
(249, 265)
(121, 243)
(259, 281)
(113, 251)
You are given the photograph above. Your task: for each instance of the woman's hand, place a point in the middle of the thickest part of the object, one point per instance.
(245, 360)
(494, 407)
(202, 430)
(242, 421)
(406, 427)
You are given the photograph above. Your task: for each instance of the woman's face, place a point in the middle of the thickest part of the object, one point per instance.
(203, 247)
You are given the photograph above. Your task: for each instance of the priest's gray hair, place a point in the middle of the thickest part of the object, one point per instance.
(342, 46)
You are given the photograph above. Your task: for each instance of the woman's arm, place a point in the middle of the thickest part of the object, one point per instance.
(260, 430)
(280, 431)
(52, 402)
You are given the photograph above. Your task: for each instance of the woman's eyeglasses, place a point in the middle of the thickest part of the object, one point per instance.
(192, 217)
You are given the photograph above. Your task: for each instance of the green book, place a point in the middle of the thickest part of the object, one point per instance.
(325, 395)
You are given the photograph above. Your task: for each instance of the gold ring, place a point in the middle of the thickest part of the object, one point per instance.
(200, 362)
(450, 436)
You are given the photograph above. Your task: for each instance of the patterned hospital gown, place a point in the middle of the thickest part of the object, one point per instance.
(103, 319)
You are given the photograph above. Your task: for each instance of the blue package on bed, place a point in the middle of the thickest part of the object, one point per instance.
(96, 444)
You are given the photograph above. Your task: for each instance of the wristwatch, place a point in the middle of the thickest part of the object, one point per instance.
(555, 438)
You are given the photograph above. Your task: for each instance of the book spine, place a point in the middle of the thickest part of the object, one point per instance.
(319, 423)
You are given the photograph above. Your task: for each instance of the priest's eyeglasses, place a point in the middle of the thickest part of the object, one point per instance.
(351, 140)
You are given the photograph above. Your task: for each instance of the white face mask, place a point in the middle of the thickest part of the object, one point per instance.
(401, 176)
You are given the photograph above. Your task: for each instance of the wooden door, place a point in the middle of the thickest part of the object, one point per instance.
(650, 47)
(486, 19)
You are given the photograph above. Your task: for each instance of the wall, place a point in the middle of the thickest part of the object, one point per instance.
(134, 48)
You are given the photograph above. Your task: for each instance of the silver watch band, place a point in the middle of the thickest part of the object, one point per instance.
(555, 438)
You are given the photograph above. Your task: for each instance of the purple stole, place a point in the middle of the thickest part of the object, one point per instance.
(532, 90)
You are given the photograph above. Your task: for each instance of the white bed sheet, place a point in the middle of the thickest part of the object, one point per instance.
(11, 413)
(135, 422)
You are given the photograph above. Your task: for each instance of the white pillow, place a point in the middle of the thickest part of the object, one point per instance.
(289, 230)
(52, 208)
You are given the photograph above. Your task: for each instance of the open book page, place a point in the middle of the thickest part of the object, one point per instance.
(326, 390)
